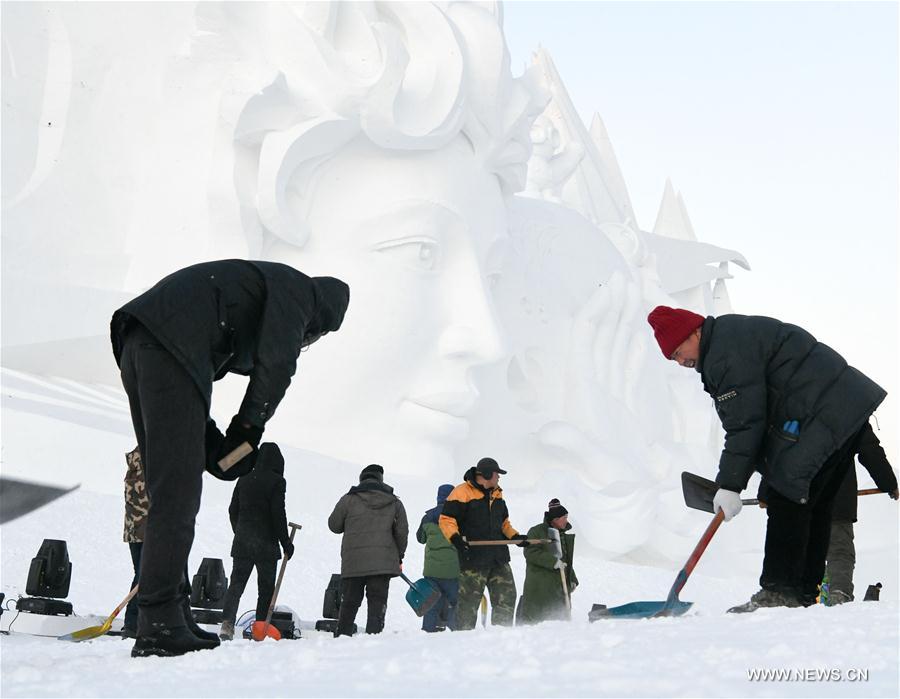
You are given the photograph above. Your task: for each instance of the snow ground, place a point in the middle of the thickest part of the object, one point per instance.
(705, 653)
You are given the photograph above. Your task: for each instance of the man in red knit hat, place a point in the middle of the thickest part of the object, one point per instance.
(792, 409)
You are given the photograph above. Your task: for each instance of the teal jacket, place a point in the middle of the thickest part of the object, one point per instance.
(441, 558)
(543, 596)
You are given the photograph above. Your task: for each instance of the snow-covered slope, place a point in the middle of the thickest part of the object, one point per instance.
(73, 433)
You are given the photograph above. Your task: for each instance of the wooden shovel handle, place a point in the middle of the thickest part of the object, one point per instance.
(507, 542)
(235, 455)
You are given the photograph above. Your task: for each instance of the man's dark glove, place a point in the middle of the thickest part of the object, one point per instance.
(239, 432)
(218, 447)
(522, 539)
(461, 544)
(288, 549)
(895, 494)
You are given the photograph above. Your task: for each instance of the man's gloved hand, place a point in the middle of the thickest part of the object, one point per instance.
(239, 432)
(522, 539)
(895, 494)
(728, 502)
(461, 544)
(559, 564)
(288, 549)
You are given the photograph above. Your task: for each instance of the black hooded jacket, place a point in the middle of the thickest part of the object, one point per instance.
(257, 508)
(874, 460)
(762, 373)
(238, 316)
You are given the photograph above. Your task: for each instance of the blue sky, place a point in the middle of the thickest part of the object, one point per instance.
(778, 123)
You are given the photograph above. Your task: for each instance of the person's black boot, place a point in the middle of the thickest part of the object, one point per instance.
(192, 625)
(168, 641)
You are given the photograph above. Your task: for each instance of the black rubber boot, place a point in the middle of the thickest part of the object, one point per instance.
(192, 625)
(168, 641)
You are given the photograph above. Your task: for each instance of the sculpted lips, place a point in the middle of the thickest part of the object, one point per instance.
(455, 404)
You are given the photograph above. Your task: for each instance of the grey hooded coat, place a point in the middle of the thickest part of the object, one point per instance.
(373, 522)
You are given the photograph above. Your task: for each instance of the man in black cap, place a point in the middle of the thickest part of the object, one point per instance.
(373, 522)
(171, 343)
(476, 511)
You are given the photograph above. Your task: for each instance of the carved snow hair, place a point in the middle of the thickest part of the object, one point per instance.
(406, 75)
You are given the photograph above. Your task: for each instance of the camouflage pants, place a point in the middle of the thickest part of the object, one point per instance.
(501, 588)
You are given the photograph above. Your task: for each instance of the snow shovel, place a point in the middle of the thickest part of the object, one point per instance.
(699, 492)
(507, 542)
(260, 629)
(97, 631)
(553, 533)
(672, 606)
(421, 595)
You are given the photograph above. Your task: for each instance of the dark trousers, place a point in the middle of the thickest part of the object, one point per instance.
(376, 591)
(265, 583)
(131, 611)
(797, 536)
(169, 417)
(444, 612)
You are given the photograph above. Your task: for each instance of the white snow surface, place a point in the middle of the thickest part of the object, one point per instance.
(704, 653)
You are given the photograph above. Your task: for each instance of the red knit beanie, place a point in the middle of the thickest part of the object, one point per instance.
(672, 326)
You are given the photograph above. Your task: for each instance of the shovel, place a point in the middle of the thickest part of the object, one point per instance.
(699, 492)
(97, 631)
(553, 533)
(260, 629)
(672, 606)
(507, 542)
(421, 596)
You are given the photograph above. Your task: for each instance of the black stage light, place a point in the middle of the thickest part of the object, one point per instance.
(48, 579)
(208, 588)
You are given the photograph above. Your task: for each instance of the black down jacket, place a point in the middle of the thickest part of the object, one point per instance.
(248, 318)
(874, 460)
(373, 522)
(257, 508)
(762, 373)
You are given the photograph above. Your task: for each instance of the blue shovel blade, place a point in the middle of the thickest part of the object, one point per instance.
(644, 610)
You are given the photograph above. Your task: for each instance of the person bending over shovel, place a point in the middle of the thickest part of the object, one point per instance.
(259, 524)
(373, 522)
(476, 511)
(171, 343)
(792, 408)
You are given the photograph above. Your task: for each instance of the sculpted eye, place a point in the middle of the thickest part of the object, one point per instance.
(418, 253)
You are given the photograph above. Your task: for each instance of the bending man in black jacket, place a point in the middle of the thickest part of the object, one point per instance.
(259, 523)
(171, 343)
(792, 409)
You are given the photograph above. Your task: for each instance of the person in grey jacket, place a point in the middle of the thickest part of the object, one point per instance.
(373, 522)
(792, 409)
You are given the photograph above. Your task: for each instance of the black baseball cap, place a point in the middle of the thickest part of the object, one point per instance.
(487, 467)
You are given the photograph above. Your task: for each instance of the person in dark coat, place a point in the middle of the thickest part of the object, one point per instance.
(441, 566)
(792, 408)
(476, 511)
(373, 522)
(171, 343)
(543, 597)
(841, 558)
(259, 524)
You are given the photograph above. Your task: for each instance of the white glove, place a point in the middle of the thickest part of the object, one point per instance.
(559, 564)
(728, 502)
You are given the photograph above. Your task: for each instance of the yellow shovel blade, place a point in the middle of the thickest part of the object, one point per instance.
(88, 633)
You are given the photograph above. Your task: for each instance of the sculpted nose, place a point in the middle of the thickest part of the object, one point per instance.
(474, 335)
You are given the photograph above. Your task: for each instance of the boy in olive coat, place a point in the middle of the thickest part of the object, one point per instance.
(543, 597)
(441, 566)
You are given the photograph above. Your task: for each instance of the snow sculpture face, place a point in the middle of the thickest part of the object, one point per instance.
(382, 152)
(414, 234)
